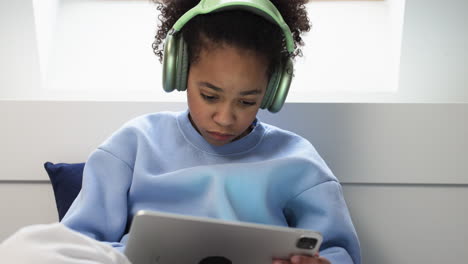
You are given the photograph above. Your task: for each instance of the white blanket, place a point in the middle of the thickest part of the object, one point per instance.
(55, 243)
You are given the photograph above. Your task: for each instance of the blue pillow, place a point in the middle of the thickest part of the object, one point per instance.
(66, 182)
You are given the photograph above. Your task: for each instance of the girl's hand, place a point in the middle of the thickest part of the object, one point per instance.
(298, 259)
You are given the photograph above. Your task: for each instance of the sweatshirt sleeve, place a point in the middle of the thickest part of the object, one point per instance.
(100, 209)
(322, 208)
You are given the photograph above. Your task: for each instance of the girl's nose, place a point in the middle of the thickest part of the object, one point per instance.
(224, 116)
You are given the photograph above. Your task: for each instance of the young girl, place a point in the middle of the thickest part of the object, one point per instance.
(216, 159)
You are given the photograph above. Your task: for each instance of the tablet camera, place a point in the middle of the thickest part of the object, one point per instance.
(306, 243)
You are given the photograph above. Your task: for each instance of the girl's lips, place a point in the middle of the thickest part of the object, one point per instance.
(220, 136)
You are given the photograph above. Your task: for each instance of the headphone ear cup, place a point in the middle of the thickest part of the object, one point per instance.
(175, 63)
(287, 74)
(182, 65)
(169, 63)
(272, 86)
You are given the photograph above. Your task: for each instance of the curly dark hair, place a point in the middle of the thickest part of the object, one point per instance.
(234, 27)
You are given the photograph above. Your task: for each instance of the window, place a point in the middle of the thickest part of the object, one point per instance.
(101, 50)
(352, 51)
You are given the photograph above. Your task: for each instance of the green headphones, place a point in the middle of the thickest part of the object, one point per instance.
(175, 62)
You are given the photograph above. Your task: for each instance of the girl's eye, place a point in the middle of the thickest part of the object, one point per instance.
(208, 97)
(248, 103)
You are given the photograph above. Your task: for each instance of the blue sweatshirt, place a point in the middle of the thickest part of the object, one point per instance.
(160, 162)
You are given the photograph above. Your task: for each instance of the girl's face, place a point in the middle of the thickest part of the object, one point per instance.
(225, 88)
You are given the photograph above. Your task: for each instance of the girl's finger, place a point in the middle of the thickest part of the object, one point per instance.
(323, 260)
(280, 261)
(298, 259)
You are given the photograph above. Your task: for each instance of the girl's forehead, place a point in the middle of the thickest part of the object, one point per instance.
(231, 58)
(230, 70)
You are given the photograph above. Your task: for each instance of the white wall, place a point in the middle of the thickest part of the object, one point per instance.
(410, 224)
(403, 166)
(24, 203)
(364, 143)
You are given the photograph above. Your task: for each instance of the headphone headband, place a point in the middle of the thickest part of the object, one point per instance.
(263, 8)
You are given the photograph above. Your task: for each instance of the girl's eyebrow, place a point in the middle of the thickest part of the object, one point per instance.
(251, 92)
(211, 86)
(218, 89)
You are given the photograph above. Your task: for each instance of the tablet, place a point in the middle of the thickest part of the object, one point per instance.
(163, 238)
